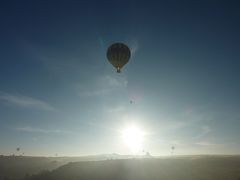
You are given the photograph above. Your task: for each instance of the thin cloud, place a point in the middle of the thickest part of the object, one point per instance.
(25, 101)
(207, 143)
(42, 131)
(113, 82)
(101, 42)
(102, 86)
(174, 125)
(85, 93)
(117, 109)
(101, 126)
(204, 131)
(134, 46)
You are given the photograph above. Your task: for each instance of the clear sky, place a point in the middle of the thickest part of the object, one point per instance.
(59, 94)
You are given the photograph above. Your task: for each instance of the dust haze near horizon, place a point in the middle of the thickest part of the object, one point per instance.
(60, 96)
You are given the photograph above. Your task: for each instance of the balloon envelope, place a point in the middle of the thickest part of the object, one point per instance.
(118, 55)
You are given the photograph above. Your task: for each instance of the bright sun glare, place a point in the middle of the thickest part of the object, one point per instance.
(133, 138)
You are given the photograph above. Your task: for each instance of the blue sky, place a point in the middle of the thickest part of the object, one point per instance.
(59, 94)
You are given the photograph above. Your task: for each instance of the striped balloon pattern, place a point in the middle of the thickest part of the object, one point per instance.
(118, 55)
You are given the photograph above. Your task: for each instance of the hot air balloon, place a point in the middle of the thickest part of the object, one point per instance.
(18, 149)
(118, 55)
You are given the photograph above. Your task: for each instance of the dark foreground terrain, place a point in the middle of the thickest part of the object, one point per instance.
(92, 168)
(19, 167)
(185, 168)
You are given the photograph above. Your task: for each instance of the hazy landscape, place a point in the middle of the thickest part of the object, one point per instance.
(17, 167)
(132, 168)
(119, 90)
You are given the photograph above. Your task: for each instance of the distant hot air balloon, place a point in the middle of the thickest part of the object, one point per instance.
(18, 149)
(118, 55)
(172, 149)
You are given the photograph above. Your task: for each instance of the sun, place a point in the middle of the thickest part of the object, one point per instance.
(133, 138)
